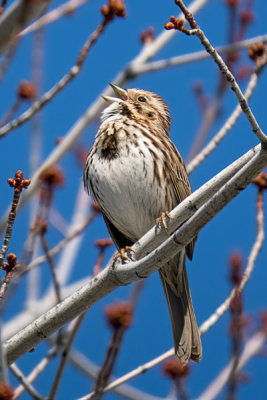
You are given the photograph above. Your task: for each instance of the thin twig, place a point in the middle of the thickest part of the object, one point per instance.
(227, 126)
(210, 115)
(10, 269)
(32, 245)
(256, 248)
(11, 112)
(24, 381)
(108, 363)
(120, 318)
(136, 292)
(53, 15)
(75, 326)
(195, 30)
(212, 110)
(102, 245)
(52, 266)
(235, 326)
(18, 183)
(57, 220)
(252, 348)
(61, 84)
(67, 259)
(181, 389)
(195, 56)
(76, 130)
(206, 325)
(89, 370)
(56, 249)
(38, 369)
(234, 375)
(138, 371)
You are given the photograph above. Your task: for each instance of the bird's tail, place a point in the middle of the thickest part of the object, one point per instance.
(186, 336)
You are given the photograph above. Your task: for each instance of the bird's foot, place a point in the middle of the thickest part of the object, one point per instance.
(123, 254)
(162, 220)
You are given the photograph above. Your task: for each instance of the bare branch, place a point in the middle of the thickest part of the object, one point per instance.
(61, 84)
(18, 184)
(224, 70)
(24, 381)
(43, 304)
(137, 371)
(147, 52)
(206, 325)
(196, 56)
(252, 347)
(89, 369)
(227, 126)
(110, 278)
(256, 248)
(35, 372)
(16, 17)
(65, 353)
(53, 15)
(52, 266)
(58, 247)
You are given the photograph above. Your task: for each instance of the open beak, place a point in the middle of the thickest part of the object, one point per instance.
(121, 94)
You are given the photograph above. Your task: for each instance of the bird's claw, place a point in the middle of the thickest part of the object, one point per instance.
(162, 220)
(122, 254)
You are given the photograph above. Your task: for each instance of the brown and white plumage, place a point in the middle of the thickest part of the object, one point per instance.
(135, 173)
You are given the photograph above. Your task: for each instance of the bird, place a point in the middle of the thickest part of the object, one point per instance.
(136, 175)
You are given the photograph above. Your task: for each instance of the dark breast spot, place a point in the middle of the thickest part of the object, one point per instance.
(109, 147)
(109, 154)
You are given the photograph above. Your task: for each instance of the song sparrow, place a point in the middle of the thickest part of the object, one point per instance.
(135, 173)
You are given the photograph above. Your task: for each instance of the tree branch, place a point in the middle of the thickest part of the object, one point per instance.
(229, 123)
(224, 70)
(16, 17)
(110, 278)
(252, 347)
(195, 56)
(81, 124)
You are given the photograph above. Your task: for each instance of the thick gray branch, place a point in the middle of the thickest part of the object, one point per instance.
(16, 17)
(110, 278)
(147, 243)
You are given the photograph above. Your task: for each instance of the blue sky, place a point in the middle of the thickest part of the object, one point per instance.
(233, 229)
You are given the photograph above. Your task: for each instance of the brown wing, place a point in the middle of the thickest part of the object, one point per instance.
(118, 238)
(182, 189)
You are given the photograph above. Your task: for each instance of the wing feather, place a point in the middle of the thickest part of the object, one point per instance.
(182, 189)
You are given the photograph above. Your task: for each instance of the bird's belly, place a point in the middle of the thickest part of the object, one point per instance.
(127, 192)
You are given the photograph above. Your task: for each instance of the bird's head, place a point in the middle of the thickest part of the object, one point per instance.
(139, 105)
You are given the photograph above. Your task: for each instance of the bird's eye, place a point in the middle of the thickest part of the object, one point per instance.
(142, 99)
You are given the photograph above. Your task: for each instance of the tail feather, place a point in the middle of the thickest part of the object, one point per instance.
(196, 349)
(186, 337)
